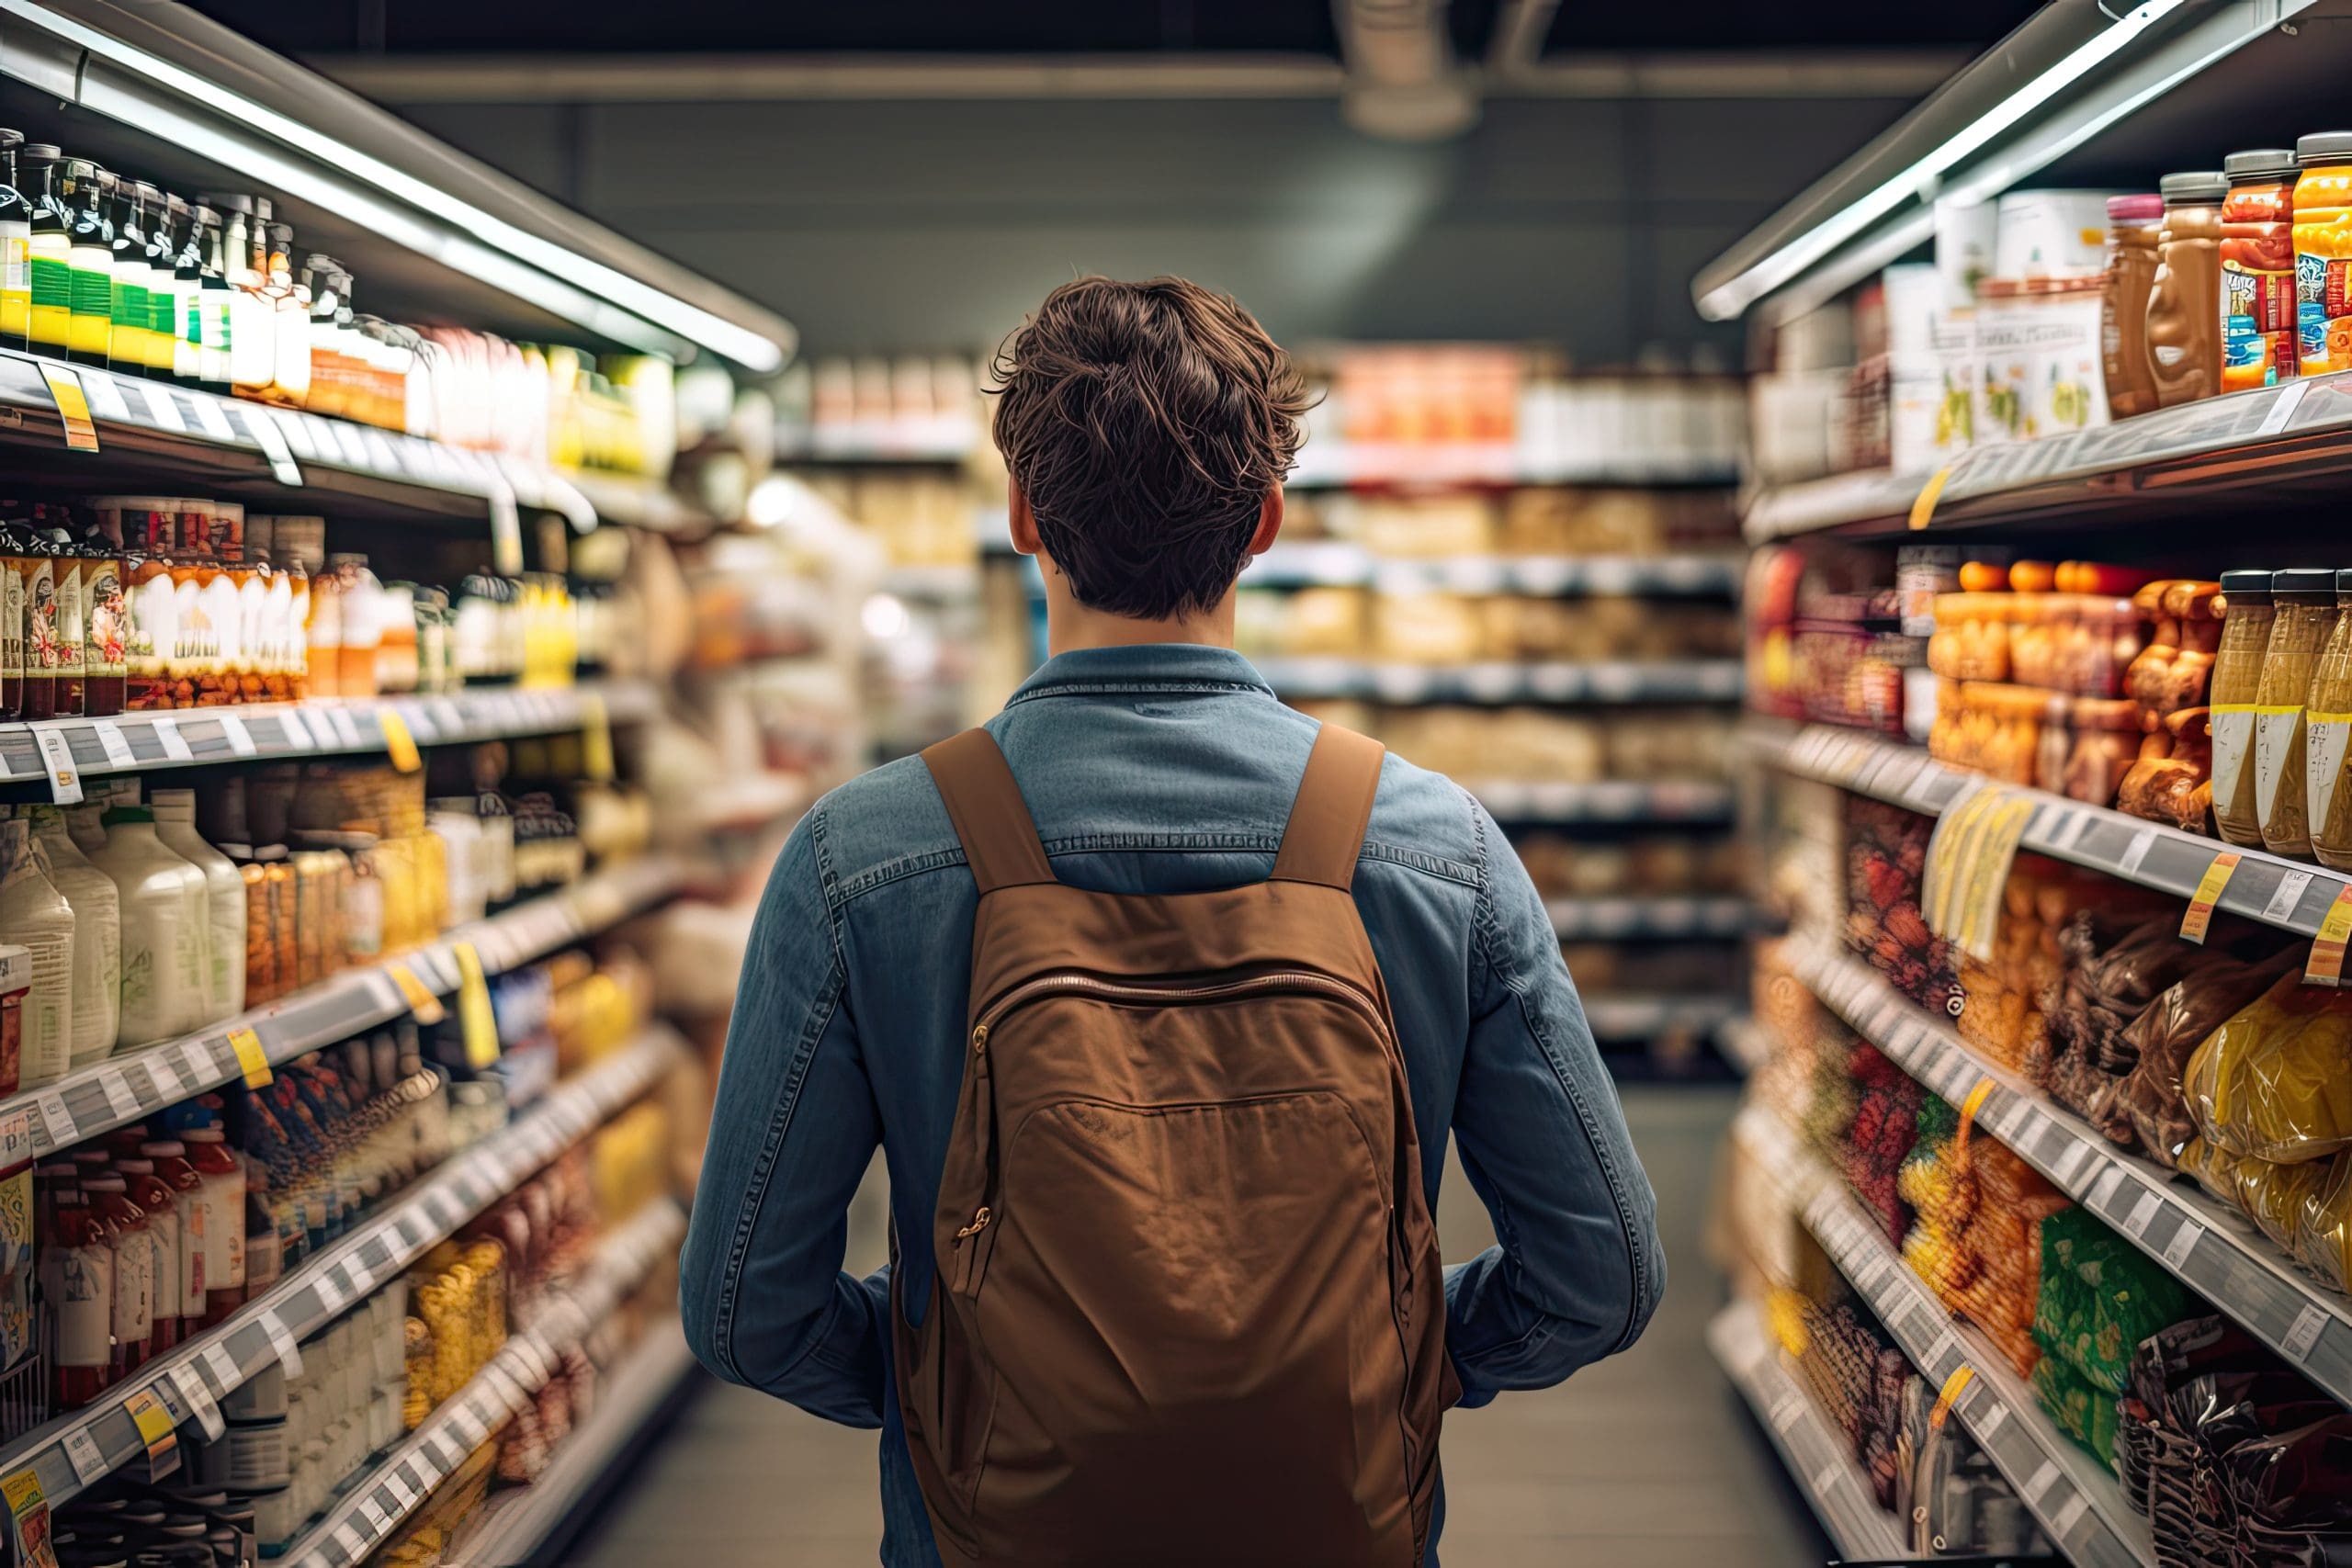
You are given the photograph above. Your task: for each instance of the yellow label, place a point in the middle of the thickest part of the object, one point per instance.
(1975, 1100)
(420, 999)
(1923, 507)
(73, 407)
(397, 741)
(595, 738)
(2325, 966)
(2209, 893)
(251, 1060)
(23, 1491)
(474, 1011)
(1949, 1396)
(28, 1508)
(154, 1422)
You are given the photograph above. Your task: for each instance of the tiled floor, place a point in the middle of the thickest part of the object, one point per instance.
(1643, 1461)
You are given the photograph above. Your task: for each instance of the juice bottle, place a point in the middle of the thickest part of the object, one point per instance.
(128, 307)
(223, 1190)
(49, 268)
(172, 1167)
(15, 248)
(151, 637)
(166, 929)
(2257, 258)
(166, 218)
(90, 235)
(2248, 617)
(66, 630)
(159, 1204)
(106, 629)
(77, 1281)
(97, 932)
(2323, 252)
(133, 1317)
(2185, 300)
(360, 606)
(2305, 618)
(35, 915)
(205, 262)
(224, 893)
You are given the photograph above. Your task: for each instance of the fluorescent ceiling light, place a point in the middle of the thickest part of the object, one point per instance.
(753, 350)
(1731, 299)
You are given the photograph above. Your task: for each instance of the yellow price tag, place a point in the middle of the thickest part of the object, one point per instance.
(2325, 966)
(420, 997)
(73, 406)
(154, 1422)
(474, 1011)
(1923, 507)
(28, 1508)
(2194, 924)
(251, 1060)
(1971, 1106)
(397, 741)
(595, 738)
(1949, 1396)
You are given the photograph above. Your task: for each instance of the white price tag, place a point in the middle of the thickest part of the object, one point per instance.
(223, 1366)
(2038, 1484)
(350, 1542)
(331, 1290)
(2136, 852)
(213, 418)
(2288, 894)
(283, 1343)
(346, 728)
(83, 1453)
(1828, 1477)
(445, 1448)
(15, 1137)
(120, 1101)
(371, 1513)
(471, 1427)
(403, 1492)
(2069, 1515)
(114, 743)
(106, 397)
(298, 733)
(2104, 1188)
(197, 1064)
(57, 757)
(200, 1402)
(167, 733)
(2183, 1243)
(162, 409)
(2136, 1223)
(167, 1081)
(2304, 1332)
(1994, 1418)
(56, 1120)
(241, 739)
(2071, 829)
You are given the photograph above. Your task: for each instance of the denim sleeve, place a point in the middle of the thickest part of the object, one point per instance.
(1577, 1267)
(759, 1282)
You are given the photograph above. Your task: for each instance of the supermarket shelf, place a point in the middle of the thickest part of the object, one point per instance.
(1815, 1453)
(2174, 462)
(266, 732)
(2065, 1486)
(934, 442)
(518, 1526)
(73, 1450)
(637, 503)
(1651, 919)
(137, 1084)
(1350, 566)
(1605, 800)
(2209, 1247)
(375, 1505)
(1661, 680)
(2279, 892)
(1648, 1018)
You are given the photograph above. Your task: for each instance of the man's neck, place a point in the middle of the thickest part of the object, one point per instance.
(1071, 626)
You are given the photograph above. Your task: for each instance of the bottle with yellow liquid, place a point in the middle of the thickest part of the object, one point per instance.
(15, 248)
(167, 215)
(40, 170)
(127, 304)
(90, 237)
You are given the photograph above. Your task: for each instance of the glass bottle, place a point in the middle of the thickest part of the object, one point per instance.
(252, 335)
(151, 635)
(213, 307)
(133, 1317)
(2306, 616)
(169, 1157)
(15, 248)
(106, 629)
(330, 377)
(90, 236)
(129, 306)
(96, 908)
(77, 1283)
(397, 650)
(35, 592)
(65, 628)
(289, 381)
(222, 1176)
(159, 1206)
(224, 892)
(12, 623)
(166, 929)
(359, 604)
(165, 215)
(40, 171)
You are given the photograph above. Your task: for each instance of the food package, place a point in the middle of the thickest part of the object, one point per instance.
(2173, 670)
(2172, 1027)
(2081, 1410)
(2100, 1296)
(1885, 1125)
(2323, 1234)
(2172, 783)
(2275, 1080)
(2110, 975)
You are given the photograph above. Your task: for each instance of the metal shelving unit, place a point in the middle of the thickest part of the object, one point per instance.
(1696, 919)
(1653, 680)
(1538, 803)
(1341, 565)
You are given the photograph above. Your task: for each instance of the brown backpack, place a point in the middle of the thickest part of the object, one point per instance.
(1188, 1307)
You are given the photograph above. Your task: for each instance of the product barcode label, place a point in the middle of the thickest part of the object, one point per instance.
(83, 1453)
(114, 743)
(56, 1121)
(223, 1368)
(2304, 1332)
(2136, 852)
(283, 1343)
(2135, 1224)
(120, 1102)
(2183, 1243)
(167, 734)
(2289, 893)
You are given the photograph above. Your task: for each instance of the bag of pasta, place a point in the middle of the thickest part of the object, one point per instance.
(2323, 1229)
(2100, 1296)
(2274, 1196)
(2274, 1082)
(2165, 1035)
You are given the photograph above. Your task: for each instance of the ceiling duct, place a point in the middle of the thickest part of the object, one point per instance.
(1402, 82)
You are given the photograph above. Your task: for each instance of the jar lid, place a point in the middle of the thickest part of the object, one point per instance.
(2343, 585)
(2247, 587)
(2259, 162)
(2144, 209)
(2303, 585)
(2199, 185)
(2324, 147)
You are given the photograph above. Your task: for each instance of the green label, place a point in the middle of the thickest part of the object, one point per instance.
(162, 311)
(52, 283)
(127, 304)
(93, 291)
(192, 307)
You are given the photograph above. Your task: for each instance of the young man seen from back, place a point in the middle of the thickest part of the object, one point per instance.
(1163, 1031)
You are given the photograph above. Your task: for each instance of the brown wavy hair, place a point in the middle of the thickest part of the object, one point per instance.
(1146, 422)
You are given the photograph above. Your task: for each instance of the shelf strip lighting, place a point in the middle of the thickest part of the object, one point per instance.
(572, 271)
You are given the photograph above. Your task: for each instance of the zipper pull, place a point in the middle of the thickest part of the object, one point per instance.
(966, 1257)
(979, 1223)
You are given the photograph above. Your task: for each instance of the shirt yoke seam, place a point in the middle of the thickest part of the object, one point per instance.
(898, 869)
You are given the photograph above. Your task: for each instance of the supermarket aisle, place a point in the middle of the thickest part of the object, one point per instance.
(1642, 1462)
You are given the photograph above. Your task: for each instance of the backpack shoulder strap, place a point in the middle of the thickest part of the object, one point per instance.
(984, 803)
(1327, 822)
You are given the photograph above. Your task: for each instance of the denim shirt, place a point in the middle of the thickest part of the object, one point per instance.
(1155, 769)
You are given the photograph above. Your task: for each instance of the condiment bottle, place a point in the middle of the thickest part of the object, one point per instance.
(49, 323)
(133, 1317)
(77, 1282)
(223, 1190)
(2247, 616)
(12, 623)
(2306, 616)
(159, 1204)
(66, 629)
(172, 1167)
(290, 302)
(205, 259)
(35, 591)
(105, 628)
(2258, 260)
(35, 915)
(15, 248)
(360, 611)
(165, 930)
(90, 894)
(90, 234)
(2185, 300)
(253, 310)
(224, 892)
(128, 307)
(2133, 224)
(166, 307)
(2322, 215)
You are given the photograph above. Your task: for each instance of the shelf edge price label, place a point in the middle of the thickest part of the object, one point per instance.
(154, 1422)
(240, 739)
(73, 406)
(282, 1343)
(82, 1451)
(251, 1060)
(114, 743)
(2326, 966)
(398, 743)
(474, 1011)
(420, 1001)
(28, 1513)
(167, 735)
(57, 757)
(56, 1120)
(2200, 917)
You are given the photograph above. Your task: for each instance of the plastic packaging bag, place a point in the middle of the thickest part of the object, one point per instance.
(2099, 1298)
(2275, 1080)
(2322, 1238)
(2172, 1028)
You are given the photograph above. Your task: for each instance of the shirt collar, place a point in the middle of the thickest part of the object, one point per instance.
(1143, 667)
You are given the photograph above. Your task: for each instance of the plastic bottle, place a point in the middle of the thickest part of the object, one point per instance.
(251, 336)
(40, 170)
(166, 217)
(15, 248)
(2185, 300)
(35, 915)
(77, 1281)
(128, 306)
(172, 1167)
(97, 932)
(63, 635)
(2257, 258)
(2322, 213)
(160, 1205)
(90, 236)
(224, 891)
(360, 601)
(224, 1176)
(133, 1317)
(105, 628)
(165, 920)
(215, 305)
